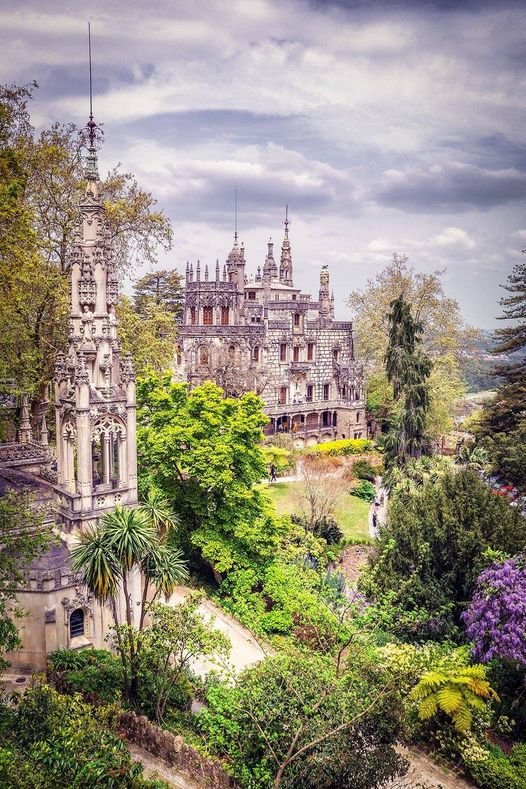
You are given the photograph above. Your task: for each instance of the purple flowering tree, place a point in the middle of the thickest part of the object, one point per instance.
(496, 618)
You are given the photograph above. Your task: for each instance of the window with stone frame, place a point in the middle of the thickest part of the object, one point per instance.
(326, 391)
(282, 395)
(76, 623)
(335, 354)
(208, 316)
(309, 393)
(357, 416)
(255, 353)
(251, 295)
(225, 316)
(204, 356)
(296, 353)
(192, 316)
(310, 351)
(283, 352)
(297, 319)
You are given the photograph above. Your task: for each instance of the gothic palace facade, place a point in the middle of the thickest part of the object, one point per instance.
(262, 333)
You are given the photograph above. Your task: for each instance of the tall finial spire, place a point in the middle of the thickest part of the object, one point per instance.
(91, 123)
(286, 222)
(93, 131)
(235, 216)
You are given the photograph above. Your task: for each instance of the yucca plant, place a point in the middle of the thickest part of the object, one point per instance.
(456, 691)
(157, 509)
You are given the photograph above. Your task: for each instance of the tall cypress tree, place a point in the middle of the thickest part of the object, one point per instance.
(408, 369)
(509, 407)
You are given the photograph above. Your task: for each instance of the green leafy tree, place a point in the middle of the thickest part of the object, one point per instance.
(446, 337)
(202, 450)
(455, 692)
(177, 636)
(24, 536)
(433, 548)
(293, 720)
(163, 288)
(126, 543)
(408, 369)
(149, 337)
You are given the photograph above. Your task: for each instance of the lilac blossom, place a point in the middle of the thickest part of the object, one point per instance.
(496, 618)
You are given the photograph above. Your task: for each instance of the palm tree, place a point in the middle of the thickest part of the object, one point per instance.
(158, 511)
(126, 541)
(455, 691)
(472, 457)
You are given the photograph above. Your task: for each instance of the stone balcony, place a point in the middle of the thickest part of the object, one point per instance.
(316, 405)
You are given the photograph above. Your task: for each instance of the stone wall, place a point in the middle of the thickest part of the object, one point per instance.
(173, 750)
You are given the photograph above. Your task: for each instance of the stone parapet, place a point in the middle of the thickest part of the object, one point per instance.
(207, 772)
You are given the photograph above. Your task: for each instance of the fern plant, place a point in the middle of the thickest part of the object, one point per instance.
(456, 691)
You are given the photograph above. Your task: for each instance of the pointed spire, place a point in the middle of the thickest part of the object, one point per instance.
(224, 273)
(206, 272)
(24, 428)
(187, 271)
(44, 433)
(191, 272)
(217, 269)
(198, 271)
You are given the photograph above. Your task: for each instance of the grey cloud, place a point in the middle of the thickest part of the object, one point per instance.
(450, 188)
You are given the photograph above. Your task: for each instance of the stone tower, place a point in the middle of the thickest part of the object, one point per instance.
(94, 386)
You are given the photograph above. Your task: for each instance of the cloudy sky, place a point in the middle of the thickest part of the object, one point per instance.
(386, 126)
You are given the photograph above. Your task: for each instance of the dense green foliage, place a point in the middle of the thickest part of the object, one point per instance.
(446, 339)
(202, 450)
(295, 720)
(50, 740)
(503, 427)
(364, 490)
(432, 549)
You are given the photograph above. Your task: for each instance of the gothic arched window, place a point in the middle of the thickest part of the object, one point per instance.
(76, 623)
(208, 316)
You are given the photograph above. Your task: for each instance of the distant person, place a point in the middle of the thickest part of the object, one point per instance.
(272, 472)
(375, 521)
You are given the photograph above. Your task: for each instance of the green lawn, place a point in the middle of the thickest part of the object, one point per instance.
(351, 513)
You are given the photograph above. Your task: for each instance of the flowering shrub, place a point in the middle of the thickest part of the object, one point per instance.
(496, 617)
(343, 446)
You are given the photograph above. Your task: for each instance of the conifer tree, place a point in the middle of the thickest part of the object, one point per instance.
(509, 407)
(408, 369)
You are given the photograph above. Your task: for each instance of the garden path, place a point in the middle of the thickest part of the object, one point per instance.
(246, 650)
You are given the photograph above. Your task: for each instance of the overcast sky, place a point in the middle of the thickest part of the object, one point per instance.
(386, 127)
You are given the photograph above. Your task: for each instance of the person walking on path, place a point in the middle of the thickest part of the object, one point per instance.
(272, 472)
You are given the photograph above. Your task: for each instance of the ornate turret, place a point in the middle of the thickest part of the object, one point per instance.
(285, 269)
(94, 388)
(324, 300)
(270, 269)
(235, 264)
